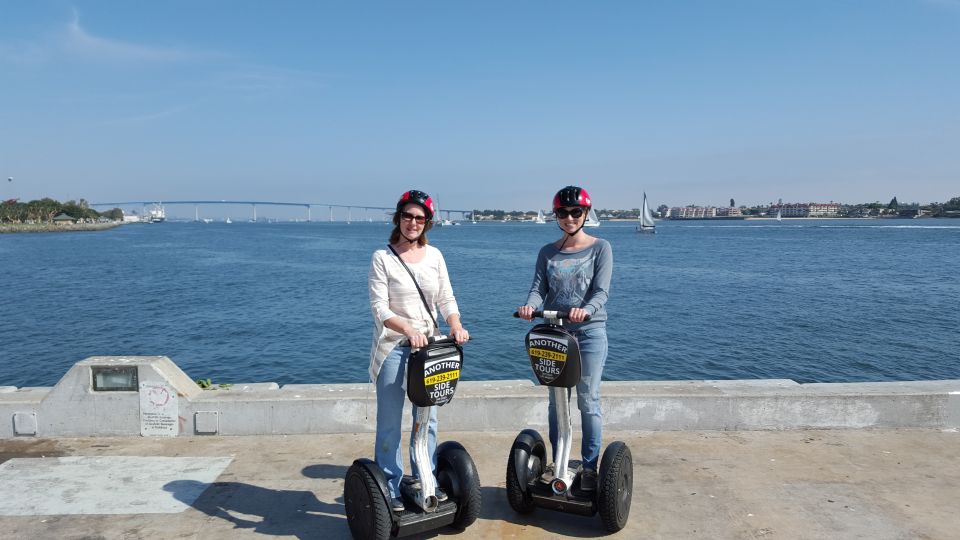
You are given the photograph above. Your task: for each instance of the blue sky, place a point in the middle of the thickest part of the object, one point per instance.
(484, 104)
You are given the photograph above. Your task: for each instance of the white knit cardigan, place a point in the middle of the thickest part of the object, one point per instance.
(393, 294)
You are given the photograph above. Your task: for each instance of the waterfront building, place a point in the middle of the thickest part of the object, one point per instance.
(703, 212)
(802, 210)
(729, 211)
(830, 209)
(64, 219)
(693, 212)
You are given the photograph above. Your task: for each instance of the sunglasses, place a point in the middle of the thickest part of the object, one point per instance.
(407, 216)
(563, 213)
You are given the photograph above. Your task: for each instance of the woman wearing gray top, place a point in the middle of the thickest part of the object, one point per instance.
(573, 275)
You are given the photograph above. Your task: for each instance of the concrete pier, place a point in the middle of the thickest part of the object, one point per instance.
(76, 408)
(876, 484)
(130, 447)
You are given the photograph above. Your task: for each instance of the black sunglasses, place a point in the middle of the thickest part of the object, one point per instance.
(407, 216)
(563, 213)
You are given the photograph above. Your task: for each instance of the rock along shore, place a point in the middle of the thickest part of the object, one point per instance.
(52, 228)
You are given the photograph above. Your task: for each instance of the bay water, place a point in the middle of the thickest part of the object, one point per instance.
(809, 300)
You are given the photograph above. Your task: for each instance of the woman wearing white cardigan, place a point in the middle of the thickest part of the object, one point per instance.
(399, 313)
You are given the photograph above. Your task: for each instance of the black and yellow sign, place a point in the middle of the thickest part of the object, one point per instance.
(554, 355)
(433, 373)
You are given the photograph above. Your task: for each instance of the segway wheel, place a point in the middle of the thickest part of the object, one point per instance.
(616, 486)
(528, 451)
(457, 475)
(366, 509)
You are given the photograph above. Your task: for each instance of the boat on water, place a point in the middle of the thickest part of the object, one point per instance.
(646, 218)
(539, 218)
(440, 222)
(779, 217)
(157, 214)
(207, 220)
(228, 220)
(592, 219)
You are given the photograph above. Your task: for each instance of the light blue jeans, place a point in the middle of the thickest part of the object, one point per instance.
(391, 396)
(593, 355)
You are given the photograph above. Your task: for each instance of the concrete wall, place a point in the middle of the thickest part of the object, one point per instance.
(73, 408)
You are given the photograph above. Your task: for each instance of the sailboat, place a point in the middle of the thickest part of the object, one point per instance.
(592, 219)
(646, 218)
(440, 222)
(539, 218)
(779, 218)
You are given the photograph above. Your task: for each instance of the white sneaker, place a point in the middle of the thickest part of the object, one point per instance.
(547, 475)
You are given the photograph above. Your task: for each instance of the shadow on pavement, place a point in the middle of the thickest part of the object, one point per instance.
(496, 508)
(323, 470)
(265, 511)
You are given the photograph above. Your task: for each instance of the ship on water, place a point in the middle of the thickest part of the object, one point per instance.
(157, 214)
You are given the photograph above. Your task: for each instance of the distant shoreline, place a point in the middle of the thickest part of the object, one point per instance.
(12, 228)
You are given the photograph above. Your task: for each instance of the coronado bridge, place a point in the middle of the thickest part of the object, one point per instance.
(349, 208)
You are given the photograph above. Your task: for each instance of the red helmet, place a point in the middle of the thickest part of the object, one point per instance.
(572, 196)
(419, 198)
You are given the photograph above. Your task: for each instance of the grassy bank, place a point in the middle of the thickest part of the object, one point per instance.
(51, 228)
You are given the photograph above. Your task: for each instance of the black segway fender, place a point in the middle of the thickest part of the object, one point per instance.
(377, 473)
(457, 473)
(523, 447)
(365, 504)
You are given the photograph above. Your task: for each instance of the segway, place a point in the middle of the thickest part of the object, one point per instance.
(432, 375)
(555, 359)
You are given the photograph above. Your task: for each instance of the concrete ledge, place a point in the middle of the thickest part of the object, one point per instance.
(72, 408)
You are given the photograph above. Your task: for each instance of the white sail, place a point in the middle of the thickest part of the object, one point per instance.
(540, 218)
(439, 221)
(592, 219)
(646, 218)
(779, 218)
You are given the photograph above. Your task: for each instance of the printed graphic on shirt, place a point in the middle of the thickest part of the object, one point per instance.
(569, 280)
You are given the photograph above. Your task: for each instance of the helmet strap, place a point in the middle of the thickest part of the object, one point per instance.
(570, 235)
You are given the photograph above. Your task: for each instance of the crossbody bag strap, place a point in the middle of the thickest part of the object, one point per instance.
(417, 285)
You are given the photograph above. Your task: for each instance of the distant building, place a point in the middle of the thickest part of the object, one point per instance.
(731, 211)
(693, 212)
(824, 210)
(802, 210)
(703, 212)
(63, 219)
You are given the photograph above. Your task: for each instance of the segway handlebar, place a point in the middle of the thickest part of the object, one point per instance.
(538, 314)
(433, 339)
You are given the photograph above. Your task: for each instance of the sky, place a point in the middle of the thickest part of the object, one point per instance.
(492, 104)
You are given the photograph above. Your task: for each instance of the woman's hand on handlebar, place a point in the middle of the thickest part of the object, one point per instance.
(525, 312)
(577, 315)
(460, 334)
(417, 339)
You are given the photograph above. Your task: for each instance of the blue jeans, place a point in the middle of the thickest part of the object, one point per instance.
(593, 355)
(391, 396)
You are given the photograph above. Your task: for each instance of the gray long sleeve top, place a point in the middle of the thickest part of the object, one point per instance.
(565, 280)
